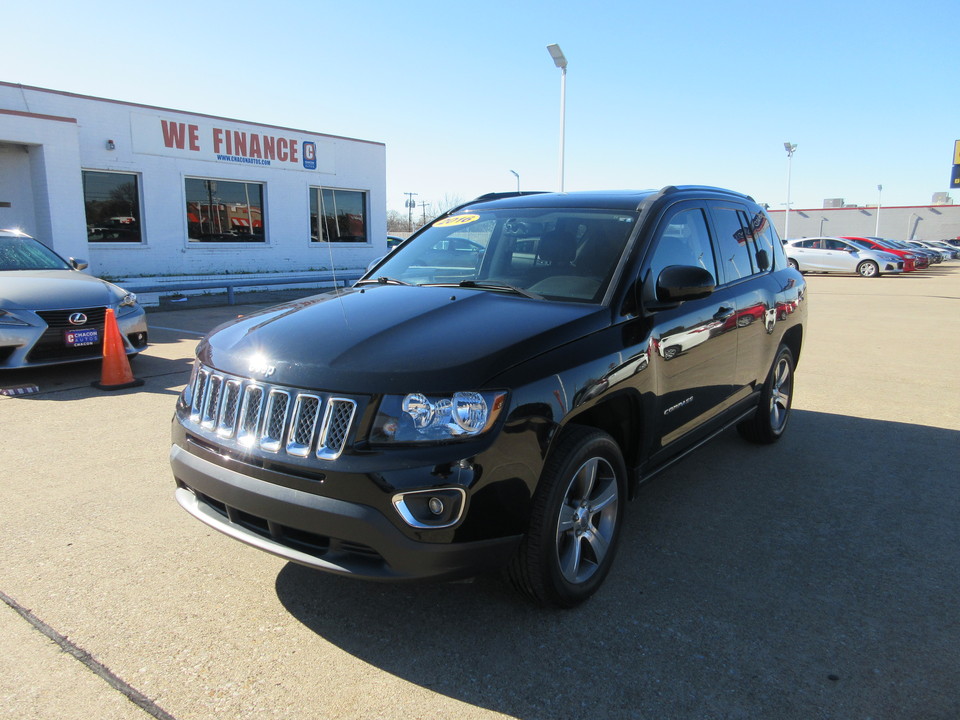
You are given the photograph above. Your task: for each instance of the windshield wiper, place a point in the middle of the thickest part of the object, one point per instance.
(384, 280)
(499, 286)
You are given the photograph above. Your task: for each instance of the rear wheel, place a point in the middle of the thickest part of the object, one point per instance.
(794, 264)
(769, 421)
(575, 521)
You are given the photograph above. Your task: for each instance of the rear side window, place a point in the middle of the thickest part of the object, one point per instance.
(741, 254)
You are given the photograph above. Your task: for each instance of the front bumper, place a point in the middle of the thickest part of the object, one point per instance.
(41, 343)
(334, 535)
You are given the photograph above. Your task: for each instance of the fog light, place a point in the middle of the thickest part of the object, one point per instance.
(430, 509)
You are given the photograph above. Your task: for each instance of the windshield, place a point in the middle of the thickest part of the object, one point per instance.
(25, 253)
(565, 254)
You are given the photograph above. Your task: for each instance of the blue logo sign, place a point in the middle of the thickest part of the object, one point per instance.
(309, 155)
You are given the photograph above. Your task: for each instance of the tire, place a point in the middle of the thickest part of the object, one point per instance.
(767, 424)
(794, 264)
(868, 268)
(575, 522)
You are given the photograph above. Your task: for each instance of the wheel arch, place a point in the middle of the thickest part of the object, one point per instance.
(621, 417)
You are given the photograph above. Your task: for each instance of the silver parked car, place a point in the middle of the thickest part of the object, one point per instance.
(829, 254)
(50, 312)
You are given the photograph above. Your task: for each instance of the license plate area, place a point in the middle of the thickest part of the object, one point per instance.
(82, 337)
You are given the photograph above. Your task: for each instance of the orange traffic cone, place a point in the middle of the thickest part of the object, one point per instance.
(116, 373)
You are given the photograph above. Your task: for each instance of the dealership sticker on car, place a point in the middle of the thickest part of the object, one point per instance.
(456, 220)
(81, 338)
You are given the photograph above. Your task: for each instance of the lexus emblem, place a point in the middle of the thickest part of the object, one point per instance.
(77, 319)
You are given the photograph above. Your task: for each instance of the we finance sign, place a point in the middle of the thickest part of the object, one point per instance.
(226, 143)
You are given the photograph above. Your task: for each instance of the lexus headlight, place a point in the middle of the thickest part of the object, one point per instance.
(7, 318)
(435, 418)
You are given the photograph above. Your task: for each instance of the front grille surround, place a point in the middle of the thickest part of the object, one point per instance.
(273, 420)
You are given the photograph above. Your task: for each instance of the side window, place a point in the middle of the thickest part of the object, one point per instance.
(735, 243)
(767, 240)
(684, 240)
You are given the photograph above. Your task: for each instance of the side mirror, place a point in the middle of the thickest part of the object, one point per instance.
(679, 283)
(78, 264)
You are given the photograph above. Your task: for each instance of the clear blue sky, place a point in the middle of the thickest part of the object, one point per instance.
(700, 92)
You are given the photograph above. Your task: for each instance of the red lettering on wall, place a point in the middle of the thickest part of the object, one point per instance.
(173, 134)
(239, 143)
(255, 146)
(217, 139)
(269, 147)
(194, 137)
(282, 149)
(293, 150)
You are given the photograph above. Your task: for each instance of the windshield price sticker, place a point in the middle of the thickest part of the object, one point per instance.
(456, 220)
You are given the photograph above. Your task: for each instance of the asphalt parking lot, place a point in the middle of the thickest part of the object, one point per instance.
(818, 578)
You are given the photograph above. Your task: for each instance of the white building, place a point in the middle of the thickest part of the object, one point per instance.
(142, 190)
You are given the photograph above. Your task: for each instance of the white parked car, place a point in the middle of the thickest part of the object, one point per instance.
(829, 254)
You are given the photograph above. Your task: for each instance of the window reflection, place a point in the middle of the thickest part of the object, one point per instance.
(338, 215)
(112, 204)
(224, 211)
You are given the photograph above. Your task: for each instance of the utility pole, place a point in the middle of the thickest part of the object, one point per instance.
(423, 208)
(410, 204)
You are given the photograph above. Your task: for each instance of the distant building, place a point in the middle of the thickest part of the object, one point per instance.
(922, 222)
(142, 190)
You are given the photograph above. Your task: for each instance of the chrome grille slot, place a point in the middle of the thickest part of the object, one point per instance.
(303, 423)
(236, 412)
(211, 403)
(335, 428)
(227, 425)
(198, 393)
(250, 413)
(275, 417)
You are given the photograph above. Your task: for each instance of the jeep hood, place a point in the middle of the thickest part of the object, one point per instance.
(396, 339)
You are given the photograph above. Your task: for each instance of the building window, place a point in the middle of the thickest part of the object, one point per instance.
(224, 211)
(338, 215)
(112, 203)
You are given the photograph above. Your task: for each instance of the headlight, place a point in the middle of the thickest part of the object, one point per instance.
(129, 300)
(7, 318)
(434, 418)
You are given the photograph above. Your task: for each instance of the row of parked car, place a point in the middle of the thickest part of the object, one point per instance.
(868, 256)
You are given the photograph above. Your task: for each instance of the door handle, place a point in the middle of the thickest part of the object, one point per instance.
(723, 313)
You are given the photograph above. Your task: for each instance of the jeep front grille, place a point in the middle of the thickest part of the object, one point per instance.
(274, 419)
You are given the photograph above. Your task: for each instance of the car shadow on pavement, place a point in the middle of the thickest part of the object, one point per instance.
(813, 578)
(70, 381)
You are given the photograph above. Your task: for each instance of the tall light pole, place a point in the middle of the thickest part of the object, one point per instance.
(786, 220)
(517, 175)
(561, 62)
(876, 232)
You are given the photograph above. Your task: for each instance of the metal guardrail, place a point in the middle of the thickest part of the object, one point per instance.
(347, 276)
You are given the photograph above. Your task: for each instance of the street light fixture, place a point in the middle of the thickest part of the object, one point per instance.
(786, 221)
(561, 62)
(517, 175)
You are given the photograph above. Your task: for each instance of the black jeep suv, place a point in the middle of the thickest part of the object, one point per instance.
(492, 392)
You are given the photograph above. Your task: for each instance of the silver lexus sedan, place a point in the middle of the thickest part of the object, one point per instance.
(50, 312)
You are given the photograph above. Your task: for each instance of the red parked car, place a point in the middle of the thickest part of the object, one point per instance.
(911, 261)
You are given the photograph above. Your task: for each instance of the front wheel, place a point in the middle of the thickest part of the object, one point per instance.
(767, 424)
(868, 268)
(575, 521)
